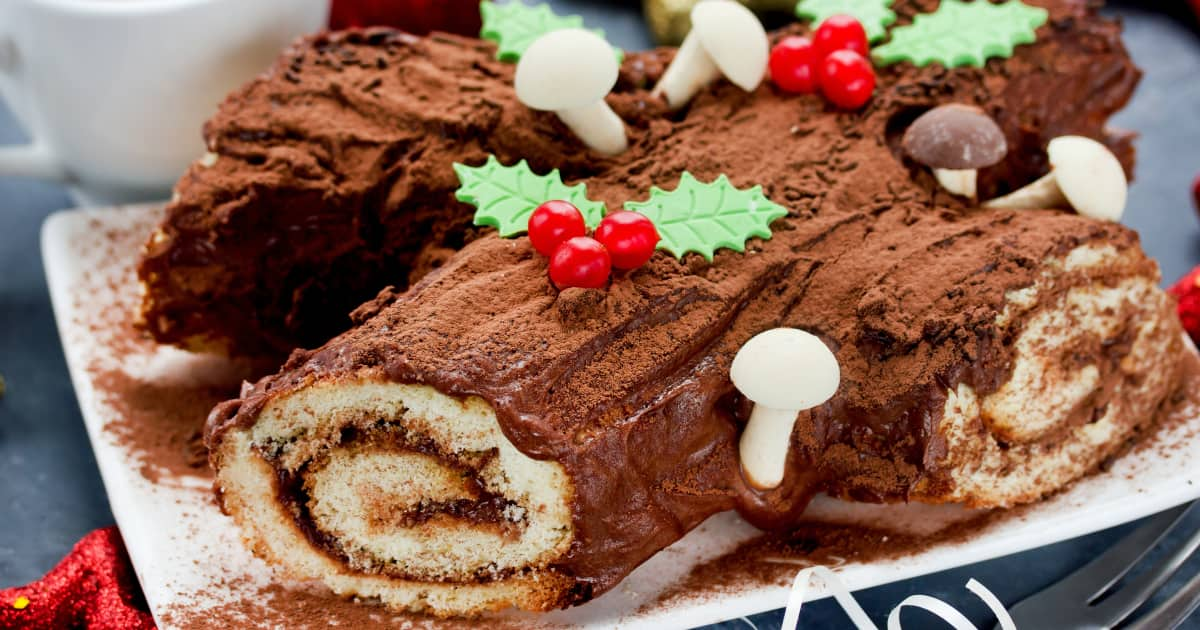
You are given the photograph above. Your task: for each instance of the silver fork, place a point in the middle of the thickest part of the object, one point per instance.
(1079, 600)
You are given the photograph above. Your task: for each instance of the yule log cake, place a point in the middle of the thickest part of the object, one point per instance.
(493, 436)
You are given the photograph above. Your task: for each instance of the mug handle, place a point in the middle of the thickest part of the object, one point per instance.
(29, 160)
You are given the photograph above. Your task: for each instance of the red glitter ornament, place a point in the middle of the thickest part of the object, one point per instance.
(1187, 291)
(414, 16)
(93, 587)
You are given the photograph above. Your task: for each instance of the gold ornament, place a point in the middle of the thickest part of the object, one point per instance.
(670, 22)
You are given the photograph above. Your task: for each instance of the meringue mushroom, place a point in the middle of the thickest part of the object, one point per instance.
(1084, 175)
(726, 39)
(569, 72)
(783, 371)
(955, 141)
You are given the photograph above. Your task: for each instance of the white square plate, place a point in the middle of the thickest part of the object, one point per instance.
(193, 566)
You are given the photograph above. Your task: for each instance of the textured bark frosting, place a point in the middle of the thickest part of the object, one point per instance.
(901, 280)
(331, 177)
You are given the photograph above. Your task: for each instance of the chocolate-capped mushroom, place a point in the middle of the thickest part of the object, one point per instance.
(955, 140)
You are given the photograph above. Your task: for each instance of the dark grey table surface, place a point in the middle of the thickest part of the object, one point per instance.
(50, 490)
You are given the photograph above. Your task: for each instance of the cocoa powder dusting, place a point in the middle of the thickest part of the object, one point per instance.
(1176, 415)
(160, 426)
(775, 559)
(159, 421)
(302, 608)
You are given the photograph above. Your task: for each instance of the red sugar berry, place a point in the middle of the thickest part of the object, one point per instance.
(629, 237)
(840, 32)
(794, 65)
(554, 222)
(847, 79)
(580, 262)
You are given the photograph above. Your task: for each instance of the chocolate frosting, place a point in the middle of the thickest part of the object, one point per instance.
(901, 280)
(333, 172)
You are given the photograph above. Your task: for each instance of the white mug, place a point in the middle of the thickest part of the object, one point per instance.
(113, 93)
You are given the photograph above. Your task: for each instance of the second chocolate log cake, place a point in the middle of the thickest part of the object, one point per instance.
(330, 177)
(484, 440)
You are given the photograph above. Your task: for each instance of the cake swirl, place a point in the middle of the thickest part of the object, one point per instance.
(378, 493)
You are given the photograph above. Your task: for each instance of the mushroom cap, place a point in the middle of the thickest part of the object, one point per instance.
(734, 39)
(1089, 176)
(955, 136)
(566, 69)
(786, 368)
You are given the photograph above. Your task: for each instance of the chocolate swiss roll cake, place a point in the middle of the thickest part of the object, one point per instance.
(483, 439)
(480, 442)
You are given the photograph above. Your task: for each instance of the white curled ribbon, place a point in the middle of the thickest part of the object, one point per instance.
(791, 615)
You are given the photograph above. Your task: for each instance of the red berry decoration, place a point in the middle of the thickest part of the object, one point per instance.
(1187, 291)
(794, 65)
(580, 262)
(554, 222)
(847, 79)
(1196, 189)
(840, 32)
(629, 237)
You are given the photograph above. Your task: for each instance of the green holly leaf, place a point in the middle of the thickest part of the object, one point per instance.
(515, 25)
(963, 34)
(505, 196)
(702, 218)
(875, 15)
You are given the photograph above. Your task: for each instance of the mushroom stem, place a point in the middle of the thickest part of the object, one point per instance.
(764, 445)
(1042, 193)
(957, 181)
(689, 72)
(598, 126)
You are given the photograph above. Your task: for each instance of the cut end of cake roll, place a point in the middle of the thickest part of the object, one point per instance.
(398, 494)
(1093, 347)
